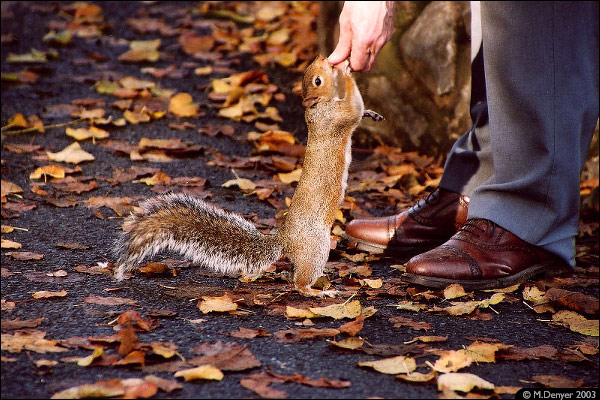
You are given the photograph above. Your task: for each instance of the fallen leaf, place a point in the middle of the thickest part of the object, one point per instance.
(225, 356)
(557, 381)
(32, 340)
(87, 361)
(351, 343)
(87, 133)
(454, 291)
(24, 255)
(202, 372)
(73, 154)
(9, 244)
(55, 171)
(44, 294)
(463, 382)
(182, 105)
(297, 335)
(576, 322)
(109, 301)
(9, 188)
(393, 365)
(217, 304)
(339, 311)
(452, 361)
(141, 50)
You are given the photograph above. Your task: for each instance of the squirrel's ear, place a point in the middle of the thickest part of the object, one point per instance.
(311, 101)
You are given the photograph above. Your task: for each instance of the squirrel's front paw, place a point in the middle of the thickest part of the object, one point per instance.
(310, 292)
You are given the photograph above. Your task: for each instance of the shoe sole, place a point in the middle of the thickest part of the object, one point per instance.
(549, 268)
(397, 251)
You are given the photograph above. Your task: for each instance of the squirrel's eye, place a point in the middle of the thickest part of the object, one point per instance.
(318, 81)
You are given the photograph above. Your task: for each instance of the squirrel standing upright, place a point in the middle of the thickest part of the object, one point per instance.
(227, 243)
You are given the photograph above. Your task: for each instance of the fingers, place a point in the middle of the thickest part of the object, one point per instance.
(342, 50)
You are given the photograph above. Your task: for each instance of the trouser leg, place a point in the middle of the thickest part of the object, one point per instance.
(469, 162)
(541, 70)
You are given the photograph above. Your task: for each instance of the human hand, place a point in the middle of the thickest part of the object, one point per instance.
(365, 26)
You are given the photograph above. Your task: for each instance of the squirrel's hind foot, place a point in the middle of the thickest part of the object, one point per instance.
(310, 292)
(373, 115)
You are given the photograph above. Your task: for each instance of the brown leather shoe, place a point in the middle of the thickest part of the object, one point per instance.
(481, 255)
(424, 226)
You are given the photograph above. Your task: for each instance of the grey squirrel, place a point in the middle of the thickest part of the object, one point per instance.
(227, 243)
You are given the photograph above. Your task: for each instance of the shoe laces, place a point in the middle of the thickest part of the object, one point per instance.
(473, 227)
(431, 198)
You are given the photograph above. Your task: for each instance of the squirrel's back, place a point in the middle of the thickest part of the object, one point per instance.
(205, 234)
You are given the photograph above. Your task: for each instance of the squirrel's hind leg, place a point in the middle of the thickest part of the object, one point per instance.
(373, 115)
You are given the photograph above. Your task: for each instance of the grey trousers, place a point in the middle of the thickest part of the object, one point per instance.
(521, 161)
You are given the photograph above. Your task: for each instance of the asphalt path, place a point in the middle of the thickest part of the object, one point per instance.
(512, 323)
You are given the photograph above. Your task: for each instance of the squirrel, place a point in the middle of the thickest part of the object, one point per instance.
(227, 243)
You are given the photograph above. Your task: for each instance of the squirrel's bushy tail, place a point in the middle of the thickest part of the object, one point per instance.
(204, 234)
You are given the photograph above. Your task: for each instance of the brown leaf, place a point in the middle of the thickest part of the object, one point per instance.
(109, 301)
(557, 381)
(259, 384)
(532, 353)
(297, 335)
(24, 255)
(20, 324)
(246, 333)
(573, 300)
(166, 385)
(416, 325)
(225, 356)
(353, 327)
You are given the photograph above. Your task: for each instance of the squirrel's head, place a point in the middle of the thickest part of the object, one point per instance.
(322, 81)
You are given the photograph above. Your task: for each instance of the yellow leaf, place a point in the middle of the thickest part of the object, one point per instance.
(87, 361)
(9, 244)
(141, 50)
(130, 82)
(534, 295)
(203, 70)
(233, 112)
(454, 291)
(87, 133)
(201, 372)
(242, 183)
(350, 343)
(293, 312)
(452, 361)
(290, 177)
(182, 105)
(339, 311)
(418, 376)
(92, 390)
(393, 365)
(216, 304)
(576, 322)
(18, 120)
(55, 171)
(44, 294)
(73, 154)
(135, 117)
(462, 382)
(157, 178)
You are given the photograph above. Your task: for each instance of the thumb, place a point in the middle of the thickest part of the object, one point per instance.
(342, 50)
